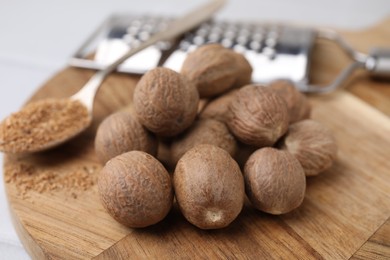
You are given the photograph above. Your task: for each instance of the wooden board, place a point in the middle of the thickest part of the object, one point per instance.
(345, 212)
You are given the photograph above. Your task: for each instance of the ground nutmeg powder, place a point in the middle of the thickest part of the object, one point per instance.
(42, 123)
(69, 178)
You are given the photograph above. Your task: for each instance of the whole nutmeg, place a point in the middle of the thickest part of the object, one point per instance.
(202, 104)
(209, 187)
(297, 103)
(258, 116)
(165, 102)
(244, 71)
(212, 68)
(164, 154)
(312, 144)
(135, 189)
(122, 132)
(274, 181)
(243, 153)
(218, 108)
(204, 131)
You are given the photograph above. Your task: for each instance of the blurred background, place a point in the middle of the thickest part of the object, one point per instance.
(37, 37)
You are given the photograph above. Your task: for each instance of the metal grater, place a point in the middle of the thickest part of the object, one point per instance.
(117, 35)
(273, 51)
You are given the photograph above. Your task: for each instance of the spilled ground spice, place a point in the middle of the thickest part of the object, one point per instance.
(72, 180)
(42, 123)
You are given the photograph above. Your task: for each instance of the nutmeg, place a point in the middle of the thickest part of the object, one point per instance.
(204, 131)
(243, 153)
(274, 181)
(244, 71)
(297, 103)
(313, 144)
(164, 154)
(258, 116)
(165, 102)
(212, 68)
(122, 132)
(209, 187)
(218, 108)
(135, 189)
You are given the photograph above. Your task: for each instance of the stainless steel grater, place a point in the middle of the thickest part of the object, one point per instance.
(275, 51)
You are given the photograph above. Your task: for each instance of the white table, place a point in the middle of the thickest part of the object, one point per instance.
(37, 37)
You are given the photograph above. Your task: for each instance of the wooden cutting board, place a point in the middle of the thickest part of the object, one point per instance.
(345, 212)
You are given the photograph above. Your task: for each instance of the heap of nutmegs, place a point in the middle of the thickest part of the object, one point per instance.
(263, 129)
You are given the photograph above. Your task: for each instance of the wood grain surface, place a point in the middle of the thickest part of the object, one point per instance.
(345, 212)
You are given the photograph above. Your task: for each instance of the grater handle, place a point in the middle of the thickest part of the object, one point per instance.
(378, 62)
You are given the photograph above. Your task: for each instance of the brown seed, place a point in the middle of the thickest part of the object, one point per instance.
(258, 116)
(164, 154)
(297, 103)
(312, 144)
(274, 181)
(212, 68)
(202, 104)
(209, 187)
(135, 189)
(218, 108)
(122, 132)
(244, 72)
(243, 153)
(204, 131)
(165, 102)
